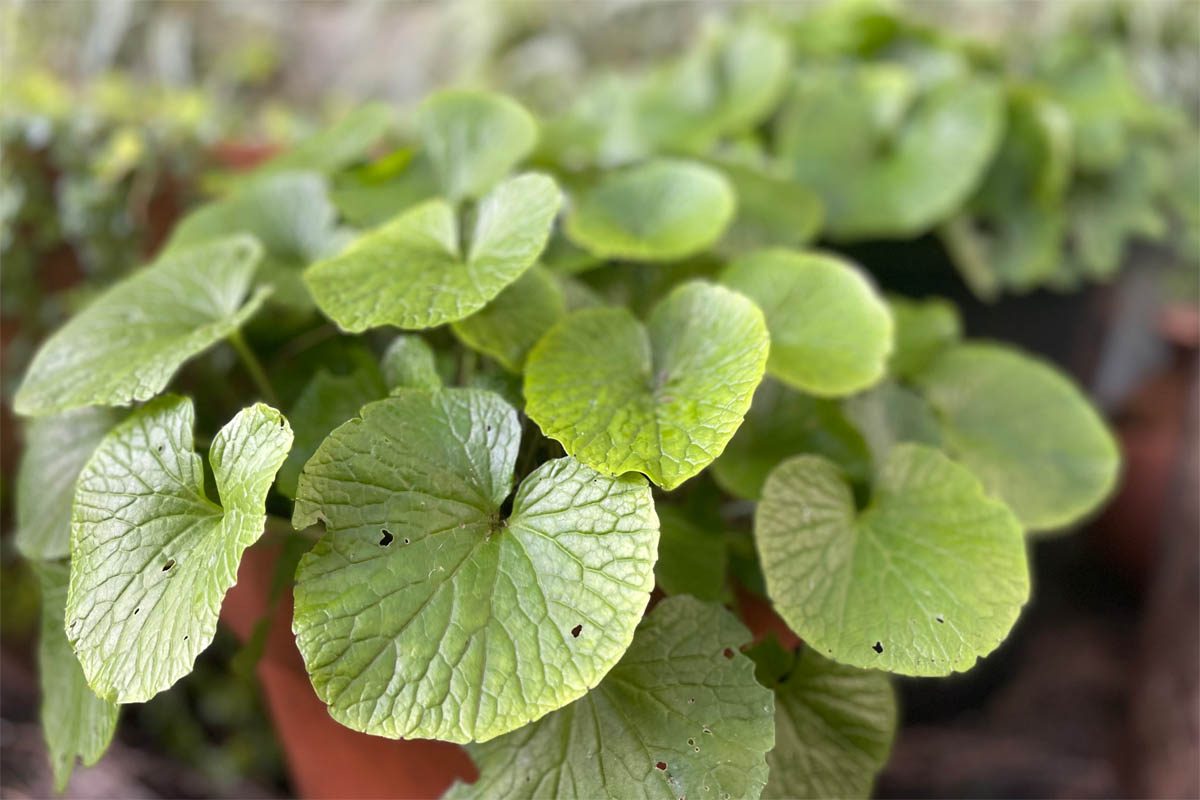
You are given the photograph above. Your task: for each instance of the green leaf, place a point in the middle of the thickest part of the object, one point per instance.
(409, 362)
(415, 272)
(474, 139)
(1025, 430)
(511, 324)
(771, 210)
(928, 578)
(680, 716)
(346, 141)
(128, 343)
(152, 555)
(75, 722)
(923, 329)
(367, 200)
(833, 730)
(290, 215)
(831, 333)
(55, 450)
(891, 414)
(660, 210)
(887, 163)
(783, 422)
(691, 556)
(423, 612)
(663, 398)
(326, 402)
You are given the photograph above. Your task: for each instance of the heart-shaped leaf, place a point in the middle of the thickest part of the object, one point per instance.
(662, 398)
(415, 272)
(127, 344)
(927, 579)
(56, 448)
(76, 723)
(423, 611)
(833, 730)
(1028, 433)
(831, 333)
(152, 556)
(783, 422)
(887, 163)
(511, 324)
(474, 139)
(290, 215)
(661, 210)
(680, 716)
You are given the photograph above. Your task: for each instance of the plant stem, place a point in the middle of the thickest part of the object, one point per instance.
(252, 365)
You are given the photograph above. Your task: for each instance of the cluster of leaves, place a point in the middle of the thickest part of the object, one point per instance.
(1036, 161)
(495, 492)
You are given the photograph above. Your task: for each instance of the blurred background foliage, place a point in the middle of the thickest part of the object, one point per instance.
(116, 116)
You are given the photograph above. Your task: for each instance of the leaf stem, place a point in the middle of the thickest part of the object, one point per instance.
(254, 368)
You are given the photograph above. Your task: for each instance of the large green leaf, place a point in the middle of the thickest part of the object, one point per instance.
(833, 730)
(927, 579)
(152, 555)
(55, 450)
(680, 716)
(783, 422)
(75, 722)
(886, 162)
(831, 333)
(1028, 433)
(474, 139)
(290, 215)
(663, 398)
(127, 344)
(661, 210)
(511, 324)
(416, 271)
(423, 611)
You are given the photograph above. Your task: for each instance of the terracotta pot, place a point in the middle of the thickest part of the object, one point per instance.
(326, 759)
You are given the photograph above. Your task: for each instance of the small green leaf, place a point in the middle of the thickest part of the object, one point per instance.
(927, 579)
(75, 722)
(691, 556)
(833, 730)
(152, 555)
(290, 215)
(415, 271)
(366, 200)
(1028, 433)
(923, 329)
(783, 422)
(661, 210)
(771, 210)
(341, 144)
(831, 333)
(423, 612)
(662, 398)
(891, 414)
(326, 402)
(511, 324)
(680, 716)
(409, 362)
(56, 448)
(474, 139)
(127, 345)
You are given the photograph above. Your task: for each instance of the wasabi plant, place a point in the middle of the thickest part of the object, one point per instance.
(503, 383)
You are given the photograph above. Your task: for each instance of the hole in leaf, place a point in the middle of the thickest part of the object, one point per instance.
(691, 742)
(728, 652)
(170, 563)
(386, 537)
(407, 540)
(661, 765)
(578, 629)
(136, 610)
(160, 448)
(691, 700)
(877, 647)
(940, 618)
(185, 638)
